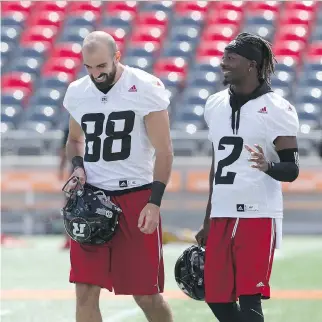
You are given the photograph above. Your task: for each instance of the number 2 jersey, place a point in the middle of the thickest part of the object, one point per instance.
(118, 154)
(238, 189)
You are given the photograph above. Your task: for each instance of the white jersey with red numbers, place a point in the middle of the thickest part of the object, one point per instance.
(118, 154)
(238, 189)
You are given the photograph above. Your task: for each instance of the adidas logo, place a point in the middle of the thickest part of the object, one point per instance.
(263, 110)
(133, 89)
(260, 284)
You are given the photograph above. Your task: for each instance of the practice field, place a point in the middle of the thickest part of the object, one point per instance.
(35, 285)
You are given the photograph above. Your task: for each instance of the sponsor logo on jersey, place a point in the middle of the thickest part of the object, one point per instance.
(123, 184)
(240, 207)
(247, 207)
(133, 89)
(263, 110)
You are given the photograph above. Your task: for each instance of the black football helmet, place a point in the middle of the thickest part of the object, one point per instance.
(189, 272)
(90, 218)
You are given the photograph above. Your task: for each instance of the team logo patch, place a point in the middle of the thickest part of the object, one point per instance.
(80, 229)
(133, 89)
(104, 99)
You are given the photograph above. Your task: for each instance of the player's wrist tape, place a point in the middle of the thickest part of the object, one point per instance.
(288, 169)
(78, 162)
(157, 192)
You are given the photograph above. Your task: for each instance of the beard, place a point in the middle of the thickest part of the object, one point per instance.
(108, 81)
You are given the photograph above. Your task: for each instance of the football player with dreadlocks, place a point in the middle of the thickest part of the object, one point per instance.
(254, 137)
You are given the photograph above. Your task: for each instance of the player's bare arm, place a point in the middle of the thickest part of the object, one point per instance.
(74, 151)
(201, 236)
(287, 170)
(158, 130)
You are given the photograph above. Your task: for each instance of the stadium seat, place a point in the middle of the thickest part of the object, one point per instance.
(55, 6)
(15, 96)
(117, 6)
(293, 33)
(261, 6)
(228, 5)
(65, 65)
(16, 79)
(67, 50)
(145, 63)
(11, 113)
(219, 33)
(178, 49)
(288, 48)
(183, 7)
(39, 34)
(310, 6)
(184, 33)
(16, 6)
(29, 65)
(146, 33)
(165, 6)
(75, 34)
(225, 17)
(122, 19)
(46, 19)
(157, 19)
(171, 65)
(211, 49)
(13, 18)
(11, 33)
(83, 7)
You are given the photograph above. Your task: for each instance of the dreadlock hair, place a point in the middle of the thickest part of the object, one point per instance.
(267, 66)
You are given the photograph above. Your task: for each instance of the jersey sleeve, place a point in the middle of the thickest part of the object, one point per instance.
(70, 101)
(283, 122)
(155, 97)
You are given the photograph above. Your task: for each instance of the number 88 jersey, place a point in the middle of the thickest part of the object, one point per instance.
(118, 154)
(238, 189)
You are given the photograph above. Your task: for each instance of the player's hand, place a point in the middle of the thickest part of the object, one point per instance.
(201, 236)
(71, 184)
(258, 157)
(149, 218)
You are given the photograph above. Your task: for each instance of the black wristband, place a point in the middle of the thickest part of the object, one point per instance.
(288, 169)
(78, 162)
(157, 193)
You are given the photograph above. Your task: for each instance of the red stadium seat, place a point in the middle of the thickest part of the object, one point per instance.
(260, 6)
(64, 65)
(115, 6)
(46, 18)
(225, 17)
(301, 5)
(171, 65)
(42, 34)
(315, 51)
(220, 32)
(228, 5)
(83, 6)
(119, 34)
(16, 6)
(56, 6)
(297, 17)
(182, 7)
(146, 33)
(211, 49)
(292, 33)
(288, 48)
(157, 18)
(67, 50)
(17, 79)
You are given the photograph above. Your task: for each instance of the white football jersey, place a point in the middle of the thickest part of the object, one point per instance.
(238, 189)
(118, 154)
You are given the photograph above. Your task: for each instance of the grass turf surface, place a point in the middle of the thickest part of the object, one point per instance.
(35, 288)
